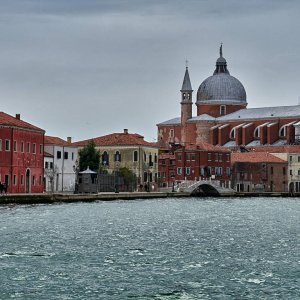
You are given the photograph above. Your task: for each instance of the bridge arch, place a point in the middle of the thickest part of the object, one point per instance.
(205, 189)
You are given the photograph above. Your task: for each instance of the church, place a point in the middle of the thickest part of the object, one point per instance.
(223, 118)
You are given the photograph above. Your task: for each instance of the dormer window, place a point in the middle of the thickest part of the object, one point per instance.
(222, 110)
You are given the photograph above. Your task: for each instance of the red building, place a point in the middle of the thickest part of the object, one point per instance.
(21, 155)
(196, 162)
(259, 172)
(223, 117)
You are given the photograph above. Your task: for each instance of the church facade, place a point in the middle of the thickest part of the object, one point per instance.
(223, 118)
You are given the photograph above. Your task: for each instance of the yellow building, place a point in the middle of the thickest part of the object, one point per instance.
(118, 150)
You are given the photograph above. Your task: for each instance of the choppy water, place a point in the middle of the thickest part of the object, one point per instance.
(152, 249)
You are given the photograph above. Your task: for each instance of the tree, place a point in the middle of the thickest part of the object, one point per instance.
(89, 157)
(128, 176)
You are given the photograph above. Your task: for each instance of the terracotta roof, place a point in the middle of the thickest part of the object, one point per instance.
(118, 139)
(277, 149)
(53, 140)
(8, 120)
(47, 154)
(255, 157)
(206, 146)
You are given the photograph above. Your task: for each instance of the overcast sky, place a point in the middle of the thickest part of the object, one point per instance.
(85, 68)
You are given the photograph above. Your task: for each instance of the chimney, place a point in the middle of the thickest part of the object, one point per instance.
(18, 116)
(125, 131)
(69, 139)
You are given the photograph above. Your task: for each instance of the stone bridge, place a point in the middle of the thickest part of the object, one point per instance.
(204, 188)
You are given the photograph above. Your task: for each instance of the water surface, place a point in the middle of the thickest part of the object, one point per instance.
(189, 248)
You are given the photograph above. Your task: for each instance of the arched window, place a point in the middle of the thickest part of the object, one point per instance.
(135, 156)
(105, 158)
(183, 96)
(282, 131)
(232, 133)
(117, 156)
(155, 158)
(256, 133)
(150, 160)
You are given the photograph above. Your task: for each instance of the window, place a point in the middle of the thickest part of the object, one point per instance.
(193, 157)
(72, 155)
(7, 145)
(58, 154)
(33, 180)
(227, 157)
(34, 148)
(22, 179)
(271, 170)
(172, 133)
(15, 180)
(51, 165)
(291, 172)
(298, 171)
(179, 156)
(216, 157)
(41, 148)
(188, 156)
(150, 160)
(291, 158)
(222, 110)
(155, 158)
(283, 171)
(66, 155)
(220, 157)
(163, 162)
(179, 171)
(117, 156)
(209, 156)
(187, 170)
(135, 156)
(163, 174)
(105, 159)
(298, 158)
(15, 146)
(228, 171)
(6, 180)
(46, 165)
(28, 147)
(22, 147)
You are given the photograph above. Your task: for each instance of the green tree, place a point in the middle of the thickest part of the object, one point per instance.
(89, 157)
(128, 176)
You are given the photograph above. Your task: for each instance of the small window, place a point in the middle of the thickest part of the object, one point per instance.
(179, 171)
(118, 156)
(298, 171)
(220, 157)
(163, 162)
(179, 156)
(188, 171)
(105, 159)
(283, 171)
(291, 158)
(33, 180)
(15, 179)
(193, 157)
(227, 157)
(34, 149)
(15, 146)
(298, 158)
(209, 156)
(135, 156)
(7, 145)
(72, 155)
(216, 157)
(28, 147)
(291, 172)
(228, 171)
(46, 165)
(22, 179)
(163, 174)
(155, 158)
(51, 165)
(22, 147)
(222, 110)
(66, 155)
(188, 156)
(172, 133)
(58, 154)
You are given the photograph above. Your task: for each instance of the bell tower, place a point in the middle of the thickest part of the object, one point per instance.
(186, 97)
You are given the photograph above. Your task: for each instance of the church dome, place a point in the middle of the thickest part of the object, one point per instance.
(221, 86)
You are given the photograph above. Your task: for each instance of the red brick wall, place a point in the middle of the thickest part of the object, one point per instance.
(223, 135)
(272, 133)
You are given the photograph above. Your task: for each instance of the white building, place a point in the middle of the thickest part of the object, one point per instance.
(293, 160)
(59, 163)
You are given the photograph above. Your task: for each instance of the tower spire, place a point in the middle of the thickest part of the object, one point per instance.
(221, 51)
(186, 85)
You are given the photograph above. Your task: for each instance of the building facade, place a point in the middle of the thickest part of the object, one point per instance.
(223, 117)
(60, 165)
(21, 155)
(118, 150)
